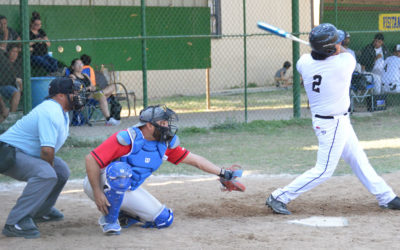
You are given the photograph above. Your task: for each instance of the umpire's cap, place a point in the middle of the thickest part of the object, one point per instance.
(324, 37)
(63, 85)
(155, 113)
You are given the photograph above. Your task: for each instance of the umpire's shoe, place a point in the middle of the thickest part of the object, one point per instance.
(24, 228)
(394, 204)
(53, 215)
(277, 206)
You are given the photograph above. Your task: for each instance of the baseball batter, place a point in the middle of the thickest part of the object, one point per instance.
(327, 73)
(117, 168)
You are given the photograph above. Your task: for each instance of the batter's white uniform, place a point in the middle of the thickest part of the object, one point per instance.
(327, 85)
(391, 74)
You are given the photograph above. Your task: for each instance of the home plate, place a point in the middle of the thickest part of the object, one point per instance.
(318, 221)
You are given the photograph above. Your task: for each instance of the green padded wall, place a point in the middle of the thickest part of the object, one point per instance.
(72, 22)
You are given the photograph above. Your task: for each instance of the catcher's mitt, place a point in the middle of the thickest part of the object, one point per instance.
(228, 178)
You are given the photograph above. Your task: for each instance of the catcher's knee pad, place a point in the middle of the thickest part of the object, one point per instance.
(164, 219)
(118, 180)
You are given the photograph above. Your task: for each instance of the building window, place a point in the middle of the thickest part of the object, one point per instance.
(215, 7)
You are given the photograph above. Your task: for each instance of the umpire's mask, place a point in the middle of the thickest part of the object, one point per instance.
(79, 96)
(65, 85)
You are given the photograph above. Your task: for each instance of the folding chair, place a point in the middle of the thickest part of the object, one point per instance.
(121, 92)
(361, 90)
(105, 76)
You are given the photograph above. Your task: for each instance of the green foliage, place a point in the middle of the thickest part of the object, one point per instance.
(192, 130)
(252, 85)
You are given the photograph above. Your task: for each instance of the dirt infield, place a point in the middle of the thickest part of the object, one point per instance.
(206, 218)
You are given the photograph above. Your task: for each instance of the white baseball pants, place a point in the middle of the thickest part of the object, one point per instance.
(136, 203)
(337, 139)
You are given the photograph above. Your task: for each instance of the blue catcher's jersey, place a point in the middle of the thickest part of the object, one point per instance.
(145, 156)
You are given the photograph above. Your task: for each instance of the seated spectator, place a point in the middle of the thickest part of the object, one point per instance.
(87, 69)
(6, 33)
(8, 83)
(4, 111)
(39, 50)
(345, 44)
(16, 64)
(76, 74)
(391, 74)
(372, 60)
(281, 79)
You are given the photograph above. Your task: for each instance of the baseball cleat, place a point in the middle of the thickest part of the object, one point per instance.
(394, 204)
(109, 228)
(277, 206)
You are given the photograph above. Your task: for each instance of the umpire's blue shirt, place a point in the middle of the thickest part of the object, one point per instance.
(47, 125)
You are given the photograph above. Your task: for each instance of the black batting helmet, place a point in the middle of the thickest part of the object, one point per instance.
(324, 37)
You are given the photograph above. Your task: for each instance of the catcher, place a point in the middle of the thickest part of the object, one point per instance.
(115, 186)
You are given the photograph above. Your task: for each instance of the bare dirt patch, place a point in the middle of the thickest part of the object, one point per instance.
(206, 218)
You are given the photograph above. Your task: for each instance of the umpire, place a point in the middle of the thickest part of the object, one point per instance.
(30, 146)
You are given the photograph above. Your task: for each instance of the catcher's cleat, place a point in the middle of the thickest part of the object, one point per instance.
(394, 204)
(277, 206)
(109, 228)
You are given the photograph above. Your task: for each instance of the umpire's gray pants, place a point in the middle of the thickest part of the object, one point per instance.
(44, 185)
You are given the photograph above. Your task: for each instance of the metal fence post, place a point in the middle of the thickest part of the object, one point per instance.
(144, 53)
(296, 55)
(245, 60)
(26, 56)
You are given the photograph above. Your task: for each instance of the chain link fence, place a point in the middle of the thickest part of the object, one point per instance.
(206, 59)
(372, 29)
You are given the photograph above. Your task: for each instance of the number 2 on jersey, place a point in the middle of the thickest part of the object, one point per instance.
(316, 83)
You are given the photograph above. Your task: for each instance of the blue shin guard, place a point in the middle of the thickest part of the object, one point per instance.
(164, 219)
(118, 181)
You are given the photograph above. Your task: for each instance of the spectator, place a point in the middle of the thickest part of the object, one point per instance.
(16, 64)
(281, 79)
(39, 50)
(3, 110)
(345, 44)
(87, 69)
(77, 74)
(372, 60)
(9, 84)
(6, 33)
(391, 74)
(35, 139)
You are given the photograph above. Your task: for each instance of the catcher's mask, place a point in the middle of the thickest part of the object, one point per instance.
(156, 113)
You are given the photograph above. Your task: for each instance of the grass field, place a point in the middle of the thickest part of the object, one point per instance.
(267, 147)
(267, 98)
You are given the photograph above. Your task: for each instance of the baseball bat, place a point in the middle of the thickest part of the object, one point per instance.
(279, 32)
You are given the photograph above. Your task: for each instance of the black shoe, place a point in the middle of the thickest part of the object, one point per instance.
(277, 206)
(24, 228)
(54, 215)
(394, 204)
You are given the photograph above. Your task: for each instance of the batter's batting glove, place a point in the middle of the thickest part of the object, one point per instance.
(228, 178)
